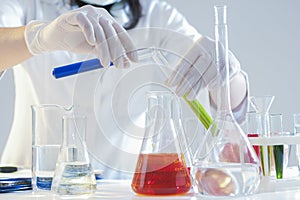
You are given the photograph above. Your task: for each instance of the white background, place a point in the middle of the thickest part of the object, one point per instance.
(264, 35)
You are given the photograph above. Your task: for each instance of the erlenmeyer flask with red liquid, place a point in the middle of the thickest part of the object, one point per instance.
(161, 168)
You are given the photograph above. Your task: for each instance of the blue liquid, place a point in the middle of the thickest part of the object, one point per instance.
(44, 183)
(43, 165)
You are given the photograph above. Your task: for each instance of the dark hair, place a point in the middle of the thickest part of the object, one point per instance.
(134, 12)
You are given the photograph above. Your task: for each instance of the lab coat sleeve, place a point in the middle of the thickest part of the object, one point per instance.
(240, 111)
(11, 13)
(165, 16)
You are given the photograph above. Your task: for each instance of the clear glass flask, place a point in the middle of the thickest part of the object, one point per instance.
(161, 168)
(226, 163)
(74, 174)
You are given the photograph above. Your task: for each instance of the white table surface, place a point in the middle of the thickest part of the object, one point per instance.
(120, 189)
(270, 188)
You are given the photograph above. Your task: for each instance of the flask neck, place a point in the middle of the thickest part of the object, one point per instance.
(163, 105)
(223, 86)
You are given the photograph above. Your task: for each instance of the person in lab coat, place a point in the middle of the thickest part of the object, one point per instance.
(49, 33)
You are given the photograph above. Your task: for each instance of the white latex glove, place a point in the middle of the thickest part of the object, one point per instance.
(87, 30)
(197, 69)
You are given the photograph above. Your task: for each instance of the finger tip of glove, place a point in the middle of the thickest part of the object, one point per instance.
(168, 83)
(191, 96)
(133, 56)
(122, 63)
(179, 92)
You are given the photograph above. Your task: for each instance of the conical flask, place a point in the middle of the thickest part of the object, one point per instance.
(74, 174)
(161, 168)
(225, 163)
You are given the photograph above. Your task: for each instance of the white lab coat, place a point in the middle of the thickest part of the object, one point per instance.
(114, 133)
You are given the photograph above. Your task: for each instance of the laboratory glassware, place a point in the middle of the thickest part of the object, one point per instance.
(115, 98)
(46, 141)
(74, 173)
(262, 105)
(277, 161)
(252, 128)
(161, 168)
(296, 122)
(225, 163)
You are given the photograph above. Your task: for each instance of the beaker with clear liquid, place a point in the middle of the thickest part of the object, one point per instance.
(46, 142)
(161, 168)
(225, 163)
(74, 173)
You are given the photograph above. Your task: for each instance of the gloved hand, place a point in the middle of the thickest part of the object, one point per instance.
(87, 30)
(198, 69)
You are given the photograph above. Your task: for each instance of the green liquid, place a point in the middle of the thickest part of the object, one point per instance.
(278, 151)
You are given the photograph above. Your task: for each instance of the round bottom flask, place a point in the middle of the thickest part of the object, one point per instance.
(226, 163)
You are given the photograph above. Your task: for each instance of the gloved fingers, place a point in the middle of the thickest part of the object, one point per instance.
(181, 69)
(126, 42)
(210, 75)
(123, 62)
(193, 75)
(101, 49)
(116, 50)
(179, 73)
(192, 94)
(82, 21)
(188, 81)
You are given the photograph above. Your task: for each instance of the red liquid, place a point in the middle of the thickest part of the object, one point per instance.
(161, 174)
(255, 147)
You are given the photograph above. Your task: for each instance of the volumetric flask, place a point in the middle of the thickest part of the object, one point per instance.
(226, 164)
(161, 168)
(74, 174)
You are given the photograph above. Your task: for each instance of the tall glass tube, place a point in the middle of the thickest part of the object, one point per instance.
(223, 104)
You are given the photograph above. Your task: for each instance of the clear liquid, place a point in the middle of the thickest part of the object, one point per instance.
(43, 165)
(227, 179)
(74, 178)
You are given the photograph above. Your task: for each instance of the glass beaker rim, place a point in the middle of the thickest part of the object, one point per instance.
(67, 108)
(159, 92)
(262, 96)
